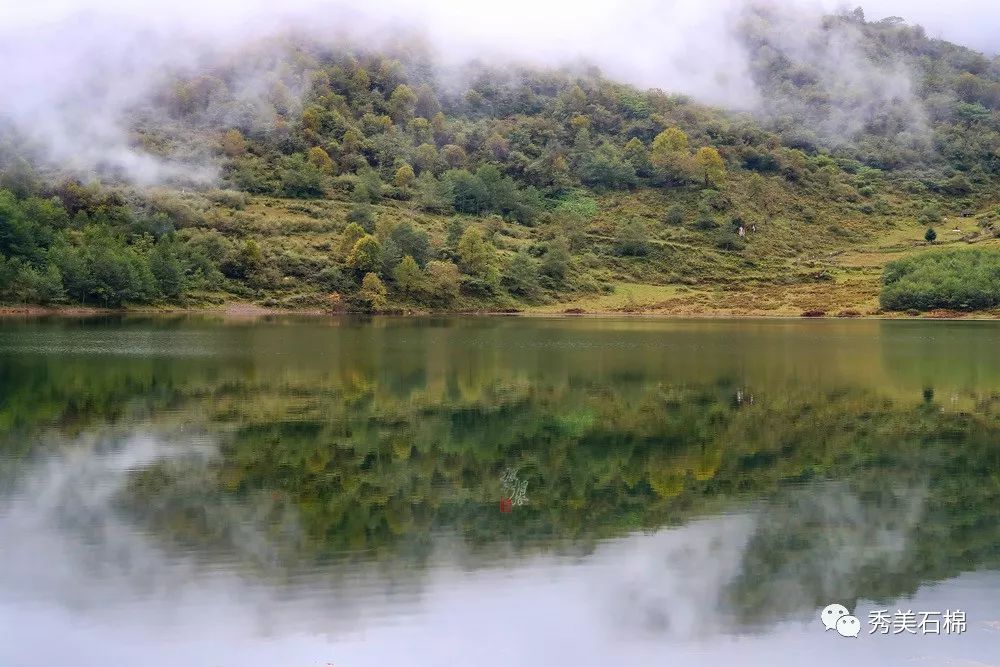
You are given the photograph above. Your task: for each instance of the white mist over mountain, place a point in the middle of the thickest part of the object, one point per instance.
(74, 69)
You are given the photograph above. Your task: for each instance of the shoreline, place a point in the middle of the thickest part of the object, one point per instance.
(241, 310)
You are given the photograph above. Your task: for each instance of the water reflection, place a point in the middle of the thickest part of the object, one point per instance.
(697, 490)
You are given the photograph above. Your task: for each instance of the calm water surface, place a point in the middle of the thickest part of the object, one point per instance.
(301, 492)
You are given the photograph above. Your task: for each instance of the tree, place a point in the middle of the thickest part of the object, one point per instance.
(349, 237)
(167, 270)
(364, 215)
(557, 258)
(404, 176)
(432, 194)
(391, 256)
(366, 255)
(930, 235)
(412, 241)
(50, 285)
(469, 192)
(710, 165)
(669, 154)
(476, 254)
(21, 282)
(671, 140)
(368, 187)
(402, 103)
(443, 282)
(521, 275)
(637, 155)
(115, 273)
(498, 147)
(352, 141)
(427, 102)
(233, 144)
(320, 159)
(300, 178)
(425, 158)
(605, 168)
(454, 230)
(373, 292)
(454, 156)
(408, 276)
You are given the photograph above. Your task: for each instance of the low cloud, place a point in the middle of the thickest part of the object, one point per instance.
(75, 72)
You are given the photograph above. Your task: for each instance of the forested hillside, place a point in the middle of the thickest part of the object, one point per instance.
(326, 175)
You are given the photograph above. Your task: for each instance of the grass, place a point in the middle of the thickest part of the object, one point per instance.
(809, 252)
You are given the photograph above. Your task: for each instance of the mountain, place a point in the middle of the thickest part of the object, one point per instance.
(308, 173)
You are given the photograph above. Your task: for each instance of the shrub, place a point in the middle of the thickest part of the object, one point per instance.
(556, 262)
(364, 216)
(228, 198)
(300, 178)
(953, 279)
(706, 221)
(243, 262)
(675, 215)
(729, 240)
(631, 239)
(929, 214)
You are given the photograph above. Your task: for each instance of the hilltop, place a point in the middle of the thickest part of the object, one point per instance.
(369, 179)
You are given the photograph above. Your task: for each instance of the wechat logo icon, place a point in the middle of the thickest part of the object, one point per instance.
(836, 617)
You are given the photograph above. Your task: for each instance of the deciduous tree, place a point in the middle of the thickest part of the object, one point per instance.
(710, 165)
(366, 255)
(320, 159)
(402, 103)
(373, 292)
(349, 237)
(404, 176)
(233, 144)
(409, 277)
(443, 282)
(476, 253)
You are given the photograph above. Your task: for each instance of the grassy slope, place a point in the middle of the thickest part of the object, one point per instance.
(809, 252)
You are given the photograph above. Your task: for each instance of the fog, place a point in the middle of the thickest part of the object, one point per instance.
(73, 70)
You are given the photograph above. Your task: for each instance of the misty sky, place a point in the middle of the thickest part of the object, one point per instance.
(975, 23)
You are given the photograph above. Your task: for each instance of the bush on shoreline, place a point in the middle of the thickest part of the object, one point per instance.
(953, 279)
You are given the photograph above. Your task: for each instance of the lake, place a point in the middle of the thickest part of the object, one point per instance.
(497, 491)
